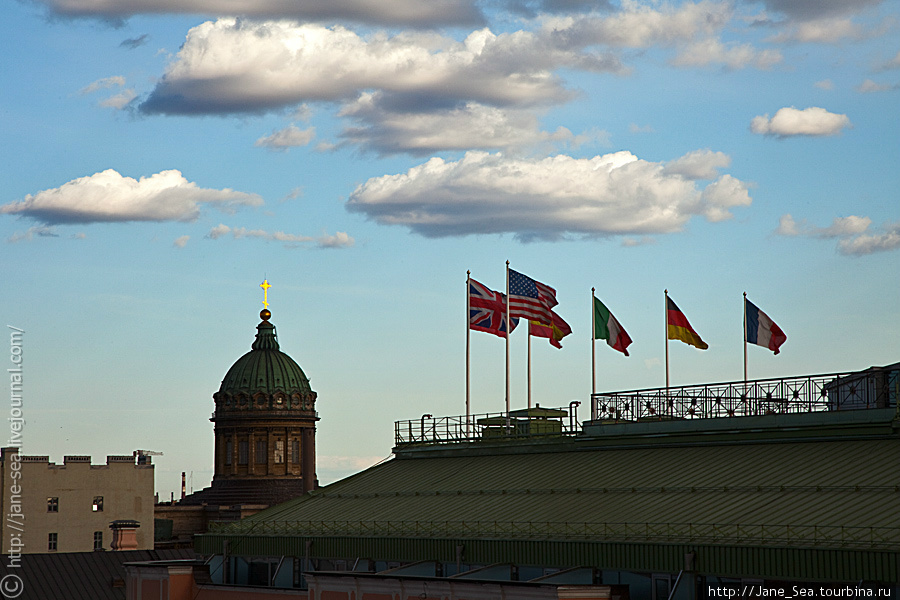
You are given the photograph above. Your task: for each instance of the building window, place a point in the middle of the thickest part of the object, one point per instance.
(295, 452)
(261, 457)
(53, 505)
(52, 542)
(98, 504)
(279, 452)
(98, 540)
(229, 449)
(243, 453)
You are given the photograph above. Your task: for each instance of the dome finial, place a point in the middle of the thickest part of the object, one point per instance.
(265, 286)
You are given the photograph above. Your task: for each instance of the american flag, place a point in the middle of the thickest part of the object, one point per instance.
(487, 310)
(530, 299)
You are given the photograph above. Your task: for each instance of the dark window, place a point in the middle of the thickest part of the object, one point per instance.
(52, 542)
(295, 452)
(98, 540)
(98, 504)
(229, 449)
(52, 504)
(243, 453)
(261, 457)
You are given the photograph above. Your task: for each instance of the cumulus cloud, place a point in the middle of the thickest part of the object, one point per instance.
(851, 232)
(731, 56)
(230, 66)
(182, 241)
(339, 240)
(381, 12)
(823, 31)
(825, 84)
(699, 164)
(789, 121)
(841, 226)
(894, 63)
(549, 198)
(384, 129)
(109, 197)
(884, 241)
(289, 137)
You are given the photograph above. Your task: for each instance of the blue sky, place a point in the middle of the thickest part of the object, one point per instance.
(161, 159)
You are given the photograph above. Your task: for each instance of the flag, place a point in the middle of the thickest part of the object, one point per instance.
(555, 332)
(679, 328)
(487, 310)
(530, 299)
(761, 330)
(606, 327)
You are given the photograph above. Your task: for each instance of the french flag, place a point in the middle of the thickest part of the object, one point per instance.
(761, 330)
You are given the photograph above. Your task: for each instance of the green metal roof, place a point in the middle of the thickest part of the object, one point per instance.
(834, 493)
(265, 368)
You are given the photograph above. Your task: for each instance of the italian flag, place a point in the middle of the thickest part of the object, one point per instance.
(606, 327)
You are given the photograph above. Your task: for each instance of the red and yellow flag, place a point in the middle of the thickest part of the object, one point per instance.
(679, 328)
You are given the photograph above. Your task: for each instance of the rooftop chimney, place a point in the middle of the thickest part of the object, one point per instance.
(124, 534)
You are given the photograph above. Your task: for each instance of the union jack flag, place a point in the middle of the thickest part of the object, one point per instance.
(487, 310)
(530, 299)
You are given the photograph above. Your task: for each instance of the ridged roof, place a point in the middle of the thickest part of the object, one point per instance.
(795, 492)
(265, 368)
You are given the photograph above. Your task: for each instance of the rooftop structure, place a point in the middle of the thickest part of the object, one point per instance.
(658, 503)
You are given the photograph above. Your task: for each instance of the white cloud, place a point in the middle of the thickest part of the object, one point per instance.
(699, 164)
(825, 84)
(385, 12)
(120, 100)
(789, 121)
(732, 56)
(103, 84)
(387, 131)
(840, 227)
(235, 66)
(109, 197)
(887, 240)
(822, 31)
(550, 198)
(182, 241)
(870, 87)
(289, 137)
(339, 240)
(851, 232)
(635, 128)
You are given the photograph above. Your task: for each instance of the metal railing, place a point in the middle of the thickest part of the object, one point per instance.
(874, 388)
(485, 427)
(709, 533)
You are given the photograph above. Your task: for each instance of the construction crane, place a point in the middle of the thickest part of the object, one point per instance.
(142, 455)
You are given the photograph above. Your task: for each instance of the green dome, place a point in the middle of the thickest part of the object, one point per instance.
(265, 368)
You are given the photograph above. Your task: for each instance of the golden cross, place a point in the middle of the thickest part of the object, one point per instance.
(265, 286)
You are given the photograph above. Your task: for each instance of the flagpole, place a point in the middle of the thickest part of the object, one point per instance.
(666, 292)
(745, 339)
(508, 327)
(593, 356)
(529, 364)
(468, 333)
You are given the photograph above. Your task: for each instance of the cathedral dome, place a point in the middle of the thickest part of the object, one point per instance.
(265, 368)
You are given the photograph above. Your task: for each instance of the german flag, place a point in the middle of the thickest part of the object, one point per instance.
(679, 328)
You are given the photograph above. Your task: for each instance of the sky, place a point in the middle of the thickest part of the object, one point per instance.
(161, 159)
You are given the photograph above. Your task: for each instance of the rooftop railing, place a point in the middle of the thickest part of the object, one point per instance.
(878, 387)
(532, 423)
(860, 390)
